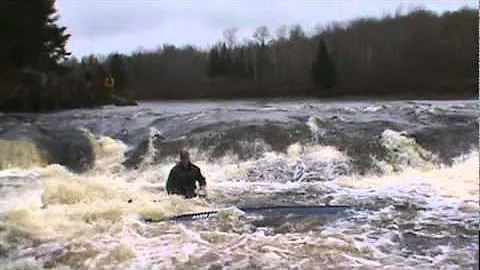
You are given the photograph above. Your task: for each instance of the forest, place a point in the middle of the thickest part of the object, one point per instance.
(419, 54)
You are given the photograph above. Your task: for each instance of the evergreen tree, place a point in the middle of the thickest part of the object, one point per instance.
(117, 70)
(262, 62)
(29, 35)
(225, 60)
(31, 49)
(214, 62)
(323, 68)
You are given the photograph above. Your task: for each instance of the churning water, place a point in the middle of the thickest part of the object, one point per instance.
(409, 169)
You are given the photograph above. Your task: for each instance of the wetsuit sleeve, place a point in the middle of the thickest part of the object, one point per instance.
(200, 178)
(171, 182)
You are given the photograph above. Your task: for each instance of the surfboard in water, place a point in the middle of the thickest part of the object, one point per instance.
(268, 211)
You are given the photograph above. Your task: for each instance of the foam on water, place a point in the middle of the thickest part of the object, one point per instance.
(21, 154)
(26, 153)
(87, 222)
(109, 153)
(63, 206)
(404, 152)
(459, 180)
(415, 217)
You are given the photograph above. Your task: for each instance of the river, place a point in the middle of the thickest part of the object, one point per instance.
(408, 169)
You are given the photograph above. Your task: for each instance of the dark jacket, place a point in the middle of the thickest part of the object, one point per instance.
(182, 181)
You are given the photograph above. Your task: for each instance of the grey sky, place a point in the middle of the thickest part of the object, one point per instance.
(101, 27)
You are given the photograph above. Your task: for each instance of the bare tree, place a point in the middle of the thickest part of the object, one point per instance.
(282, 33)
(296, 32)
(262, 35)
(230, 36)
(318, 29)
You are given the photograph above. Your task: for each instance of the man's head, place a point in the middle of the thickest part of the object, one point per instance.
(184, 157)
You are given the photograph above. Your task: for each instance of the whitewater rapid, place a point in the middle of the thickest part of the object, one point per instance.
(416, 199)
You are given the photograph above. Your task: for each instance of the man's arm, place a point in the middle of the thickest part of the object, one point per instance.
(200, 177)
(171, 183)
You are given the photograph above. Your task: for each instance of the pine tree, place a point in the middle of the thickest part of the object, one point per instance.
(225, 60)
(323, 68)
(214, 62)
(118, 71)
(32, 46)
(29, 35)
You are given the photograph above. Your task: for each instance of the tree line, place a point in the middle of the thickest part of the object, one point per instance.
(36, 71)
(31, 46)
(419, 54)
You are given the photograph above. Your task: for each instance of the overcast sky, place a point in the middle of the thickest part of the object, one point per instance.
(101, 27)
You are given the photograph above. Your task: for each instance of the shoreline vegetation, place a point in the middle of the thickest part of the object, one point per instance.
(413, 55)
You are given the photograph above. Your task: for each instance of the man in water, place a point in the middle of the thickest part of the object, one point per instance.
(183, 177)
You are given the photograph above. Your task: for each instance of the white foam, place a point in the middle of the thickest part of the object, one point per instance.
(92, 210)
